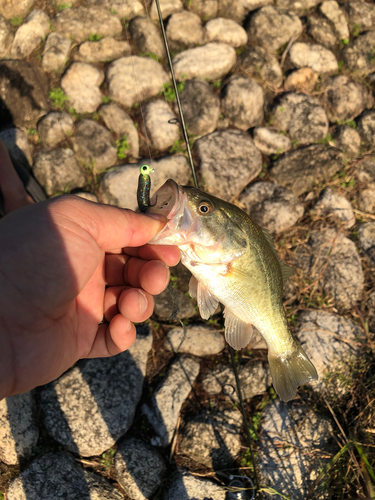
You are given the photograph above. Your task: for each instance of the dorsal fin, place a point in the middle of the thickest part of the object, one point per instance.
(286, 271)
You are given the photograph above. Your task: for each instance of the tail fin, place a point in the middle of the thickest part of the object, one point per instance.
(289, 370)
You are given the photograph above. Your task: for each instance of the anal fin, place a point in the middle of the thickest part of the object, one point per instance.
(237, 332)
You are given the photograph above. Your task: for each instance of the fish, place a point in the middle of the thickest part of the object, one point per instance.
(233, 261)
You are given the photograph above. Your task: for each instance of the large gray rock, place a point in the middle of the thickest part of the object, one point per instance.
(159, 131)
(19, 430)
(302, 116)
(271, 206)
(333, 12)
(272, 27)
(164, 408)
(187, 486)
(57, 475)
(358, 55)
(257, 61)
(92, 405)
(56, 52)
(55, 127)
(225, 31)
(220, 149)
(361, 14)
(366, 239)
(210, 61)
(93, 144)
(184, 30)
(243, 102)
(213, 438)
(15, 8)
(332, 204)
(81, 84)
(30, 35)
(322, 32)
(57, 170)
(106, 49)
(299, 170)
(146, 36)
(366, 127)
(81, 22)
(6, 37)
(121, 124)
(200, 340)
(134, 79)
(313, 56)
(270, 142)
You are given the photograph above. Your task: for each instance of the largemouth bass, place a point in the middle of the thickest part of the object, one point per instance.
(234, 261)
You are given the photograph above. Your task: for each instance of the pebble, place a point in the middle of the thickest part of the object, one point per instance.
(206, 9)
(139, 468)
(57, 475)
(15, 8)
(161, 134)
(134, 79)
(313, 56)
(164, 408)
(302, 117)
(124, 9)
(56, 52)
(301, 80)
(55, 127)
(366, 127)
(270, 142)
(347, 139)
(105, 50)
(361, 14)
(333, 12)
(251, 5)
(57, 170)
(119, 122)
(146, 36)
(227, 147)
(30, 35)
(272, 207)
(167, 8)
(211, 61)
(19, 430)
(187, 486)
(93, 144)
(225, 31)
(358, 54)
(163, 305)
(232, 9)
(299, 170)
(243, 102)
(92, 405)
(184, 30)
(366, 200)
(332, 204)
(200, 340)
(343, 98)
(6, 37)
(366, 239)
(256, 61)
(272, 27)
(201, 107)
(81, 83)
(19, 148)
(119, 186)
(322, 32)
(81, 22)
(213, 438)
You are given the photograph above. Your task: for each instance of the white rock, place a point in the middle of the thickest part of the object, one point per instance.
(167, 8)
(120, 122)
(270, 142)
(127, 9)
(200, 340)
(301, 80)
(161, 134)
(106, 49)
(15, 8)
(313, 56)
(225, 31)
(366, 126)
(6, 37)
(184, 30)
(366, 200)
(332, 11)
(187, 486)
(94, 145)
(255, 4)
(81, 84)
(30, 34)
(55, 127)
(347, 139)
(56, 52)
(331, 203)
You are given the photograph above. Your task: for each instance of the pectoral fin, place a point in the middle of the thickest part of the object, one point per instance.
(193, 287)
(237, 332)
(206, 302)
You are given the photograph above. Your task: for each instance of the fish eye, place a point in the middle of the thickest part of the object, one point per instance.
(205, 207)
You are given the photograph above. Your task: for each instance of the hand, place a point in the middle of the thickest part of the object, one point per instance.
(64, 264)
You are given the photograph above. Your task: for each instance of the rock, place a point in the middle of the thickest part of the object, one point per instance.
(23, 94)
(6, 37)
(211, 61)
(272, 27)
(56, 170)
(365, 171)
(87, 196)
(92, 405)
(56, 52)
(254, 378)
(55, 127)
(15, 8)
(270, 142)
(57, 475)
(256, 61)
(366, 239)
(163, 306)
(121, 75)
(225, 31)
(331, 203)
(366, 127)
(361, 14)
(206, 9)
(164, 409)
(119, 187)
(184, 30)
(292, 440)
(251, 5)
(358, 55)
(366, 200)
(18, 146)
(232, 9)
(160, 132)
(302, 80)
(299, 170)
(243, 102)
(322, 32)
(201, 107)
(139, 468)
(337, 255)
(93, 144)
(347, 139)
(343, 98)
(121, 124)
(213, 438)
(332, 11)
(302, 116)
(200, 340)
(187, 486)
(147, 36)
(105, 50)
(19, 430)
(313, 56)
(127, 9)
(227, 147)
(167, 8)
(81, 84)
(30, 35)
(272, 207)
(81, 22)
(300, 6)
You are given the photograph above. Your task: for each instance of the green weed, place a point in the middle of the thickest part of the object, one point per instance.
(58, 97)
(216, 84)
(149, 54)
(122, 147)
(340, 64)
(16, 21)
(112, 11)
(356, 30)
(178, 146)
(344, 42)
(107, 458)
(326, 140)
(169, 93)
(63, 6)
(106, 99)
(94, 37)
(349, 123)
(31, 131)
